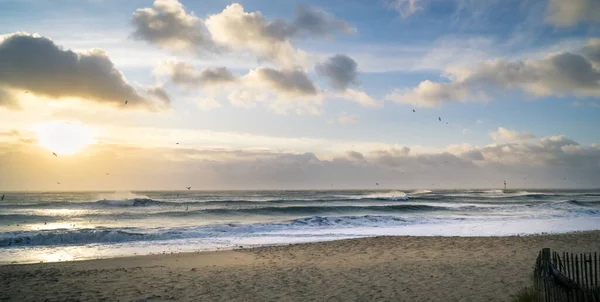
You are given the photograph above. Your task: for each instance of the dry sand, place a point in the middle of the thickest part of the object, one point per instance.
(368, 269)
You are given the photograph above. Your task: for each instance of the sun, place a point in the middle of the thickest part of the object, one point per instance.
(64, 137)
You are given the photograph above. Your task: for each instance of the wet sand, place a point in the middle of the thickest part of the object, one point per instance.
(367, 269)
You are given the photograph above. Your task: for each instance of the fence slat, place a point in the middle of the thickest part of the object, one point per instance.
(572, 276)
(596, 269)
(568, 268)
(577, 270)
(585, 271)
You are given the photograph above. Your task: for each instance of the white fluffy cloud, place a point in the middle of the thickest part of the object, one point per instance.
(592, 51)
(404, 7)
(505, 135)
(281, 90)
(168, 25)
(359, 97)
(259, 85)
(558, 74)
(36, 64)
(572, 12)
(184, 74)
(293, 83)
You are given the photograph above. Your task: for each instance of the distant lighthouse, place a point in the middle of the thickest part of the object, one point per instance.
(505, 185)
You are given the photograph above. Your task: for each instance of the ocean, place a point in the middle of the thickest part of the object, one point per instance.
(53, 226)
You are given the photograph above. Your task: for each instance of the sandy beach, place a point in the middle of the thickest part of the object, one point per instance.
(367, 269)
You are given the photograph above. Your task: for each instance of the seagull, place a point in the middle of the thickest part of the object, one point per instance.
(54, 153)
(414, 110)
(107, 173)
(126, 102)
(2, 198)
(446, 123)
(189, 188)
(439, 118)
(177, 144)
(26, 91)
(58, 183)
(376, 183)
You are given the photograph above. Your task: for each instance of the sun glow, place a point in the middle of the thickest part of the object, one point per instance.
(65, 137)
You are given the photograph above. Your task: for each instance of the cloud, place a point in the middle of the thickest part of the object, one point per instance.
(347, 119)
(404, 7)
(37, 65)
(359, 97)
(558, 74)
(570, 13)
(340, 71)
(503, 134)
(309, 21)
(355, 155)
(586, 104)
(167, 25)
(207, 103)
(293, 83)
(430, 94)
(243, 31)
(259, 85)
(592, 51)
(8, 99)
(282, 90)
(466, 131)
(546, 161)
(184, 74)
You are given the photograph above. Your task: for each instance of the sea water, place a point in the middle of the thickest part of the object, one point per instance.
(64, 226)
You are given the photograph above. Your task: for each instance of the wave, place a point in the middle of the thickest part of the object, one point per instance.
(393, 196)
(591, 203)
(134, 202)
(311, 210)
(85, 236)
(114, 235)
(350, 221)
(419, 192)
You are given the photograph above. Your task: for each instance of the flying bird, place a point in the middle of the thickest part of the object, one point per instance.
(177, 144)
(376, 183)
(107, 173)
(440, 118)
(26, 91)
(58, 183)
(446, 123)
(126, 102)
(414, 110)
(189, 188)
(54, 153)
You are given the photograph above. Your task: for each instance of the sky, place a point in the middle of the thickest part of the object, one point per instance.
(257, 94)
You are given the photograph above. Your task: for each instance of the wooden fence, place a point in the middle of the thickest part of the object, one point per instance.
(567, 277)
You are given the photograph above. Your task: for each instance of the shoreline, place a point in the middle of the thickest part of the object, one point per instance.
(405, 268)
(235, 247)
